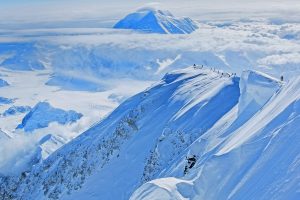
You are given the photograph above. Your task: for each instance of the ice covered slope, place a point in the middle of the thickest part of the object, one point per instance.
(258, 159)
(156, 21)
(144, 136)
(43, 113)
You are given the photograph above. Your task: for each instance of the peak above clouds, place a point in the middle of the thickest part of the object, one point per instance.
(156, 21)
(91, 11)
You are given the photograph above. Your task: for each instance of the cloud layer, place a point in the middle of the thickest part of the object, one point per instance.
(110, 11)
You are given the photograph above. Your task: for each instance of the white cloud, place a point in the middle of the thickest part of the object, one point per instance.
(281, 59)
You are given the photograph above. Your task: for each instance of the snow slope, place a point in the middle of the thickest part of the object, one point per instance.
(114, 157)
(258, 158)
(156, 21)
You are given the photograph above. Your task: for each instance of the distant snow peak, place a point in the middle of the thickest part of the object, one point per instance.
(43, 114)
(14, 110)
(152, 20)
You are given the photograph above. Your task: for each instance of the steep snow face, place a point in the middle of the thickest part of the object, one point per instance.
(50, 143)
(43, 113)
(257, 160)
(143, 137)
(156, 21)
(256, 89)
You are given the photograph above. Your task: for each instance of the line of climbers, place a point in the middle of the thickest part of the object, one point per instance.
(214, 70)
(222, 73)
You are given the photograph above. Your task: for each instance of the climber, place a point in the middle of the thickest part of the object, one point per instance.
(281, 78)
(192, 161)
(190, 164)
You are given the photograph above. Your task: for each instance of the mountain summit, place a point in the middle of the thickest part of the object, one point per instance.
(156, 21)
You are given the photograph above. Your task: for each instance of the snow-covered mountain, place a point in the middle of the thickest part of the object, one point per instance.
(194, 112)
(42, 114)
(244, 156)
(156, 21)
(14, 110)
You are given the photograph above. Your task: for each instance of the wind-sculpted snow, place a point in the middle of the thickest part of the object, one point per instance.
(256, 158)
(156, 21)
(135, 143)
(43, 113)
(256, 88)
